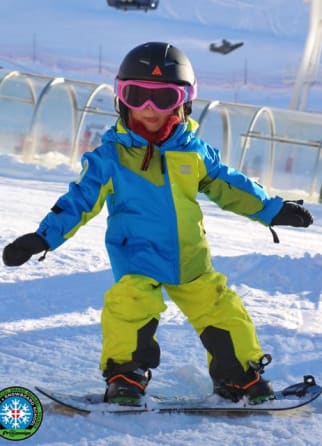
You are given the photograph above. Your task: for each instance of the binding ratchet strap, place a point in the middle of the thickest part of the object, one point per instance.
(128, 380)
(248, 385)
(263, 362)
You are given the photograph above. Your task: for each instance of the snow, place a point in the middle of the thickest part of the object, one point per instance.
(50, 310)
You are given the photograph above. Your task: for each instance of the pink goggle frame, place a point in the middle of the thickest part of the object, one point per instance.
(162, 97)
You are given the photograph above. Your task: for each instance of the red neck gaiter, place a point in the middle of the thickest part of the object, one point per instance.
(153, 138)
(158, 137)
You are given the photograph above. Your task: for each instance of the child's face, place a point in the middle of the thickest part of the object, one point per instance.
(150, 118)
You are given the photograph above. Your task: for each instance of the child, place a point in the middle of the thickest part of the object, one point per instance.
(149, 170)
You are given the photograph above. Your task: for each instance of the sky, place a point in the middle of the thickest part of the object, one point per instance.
(50, 311)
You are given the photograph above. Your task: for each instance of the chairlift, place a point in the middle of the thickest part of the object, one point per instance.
(128, 5)
(225, 47)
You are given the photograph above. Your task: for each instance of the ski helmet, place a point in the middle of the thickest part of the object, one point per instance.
(157, 62)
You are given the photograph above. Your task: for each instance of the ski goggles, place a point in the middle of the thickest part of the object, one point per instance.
(161, 96)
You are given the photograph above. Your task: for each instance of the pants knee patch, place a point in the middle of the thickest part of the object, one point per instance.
(224, 363)
(148, 350)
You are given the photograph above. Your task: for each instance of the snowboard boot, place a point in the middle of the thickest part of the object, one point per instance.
(252, 385)
(127, 388)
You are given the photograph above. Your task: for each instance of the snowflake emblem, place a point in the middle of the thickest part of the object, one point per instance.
(21, 413)
(16, 413)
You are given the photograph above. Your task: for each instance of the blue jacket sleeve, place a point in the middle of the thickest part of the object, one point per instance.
(84, 199)
(235, 192)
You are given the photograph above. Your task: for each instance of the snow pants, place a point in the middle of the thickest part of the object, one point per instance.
(131, 313)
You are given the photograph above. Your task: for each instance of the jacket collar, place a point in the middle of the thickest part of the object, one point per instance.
(123, 135)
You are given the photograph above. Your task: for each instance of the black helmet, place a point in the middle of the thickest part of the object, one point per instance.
(159, 62)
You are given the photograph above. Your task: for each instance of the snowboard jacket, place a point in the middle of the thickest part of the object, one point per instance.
(155, 224)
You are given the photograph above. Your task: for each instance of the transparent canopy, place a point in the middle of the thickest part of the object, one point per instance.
(54, 120)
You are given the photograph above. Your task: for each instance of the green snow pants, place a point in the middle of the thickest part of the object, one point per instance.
(132, 310)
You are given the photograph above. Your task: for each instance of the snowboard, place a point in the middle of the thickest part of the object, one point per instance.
(290, 398)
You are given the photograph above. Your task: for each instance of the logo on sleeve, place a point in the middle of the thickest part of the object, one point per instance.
(186, 169)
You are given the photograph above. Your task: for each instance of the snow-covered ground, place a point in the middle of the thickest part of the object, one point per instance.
(50, 324)
(50, 311)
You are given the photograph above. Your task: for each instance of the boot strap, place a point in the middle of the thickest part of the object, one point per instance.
(128, 380)
(248, 385)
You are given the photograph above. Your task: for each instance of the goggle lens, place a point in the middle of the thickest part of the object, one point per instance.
(161, 96)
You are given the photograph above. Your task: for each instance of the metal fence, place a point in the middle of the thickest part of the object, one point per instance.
(49, 120)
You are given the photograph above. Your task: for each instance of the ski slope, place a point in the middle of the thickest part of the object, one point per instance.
(50, 323)
(50, 311)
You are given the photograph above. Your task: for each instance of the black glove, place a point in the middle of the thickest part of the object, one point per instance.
(19, 251)
(293, 214)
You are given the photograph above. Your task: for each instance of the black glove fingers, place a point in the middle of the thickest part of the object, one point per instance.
(20, 251)
(305, 218)
(308, 218)
(14, 256)
(293, 214)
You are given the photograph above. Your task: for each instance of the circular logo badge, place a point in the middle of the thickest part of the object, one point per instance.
(21, 413)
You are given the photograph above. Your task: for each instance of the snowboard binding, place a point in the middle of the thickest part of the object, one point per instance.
(300, 389)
